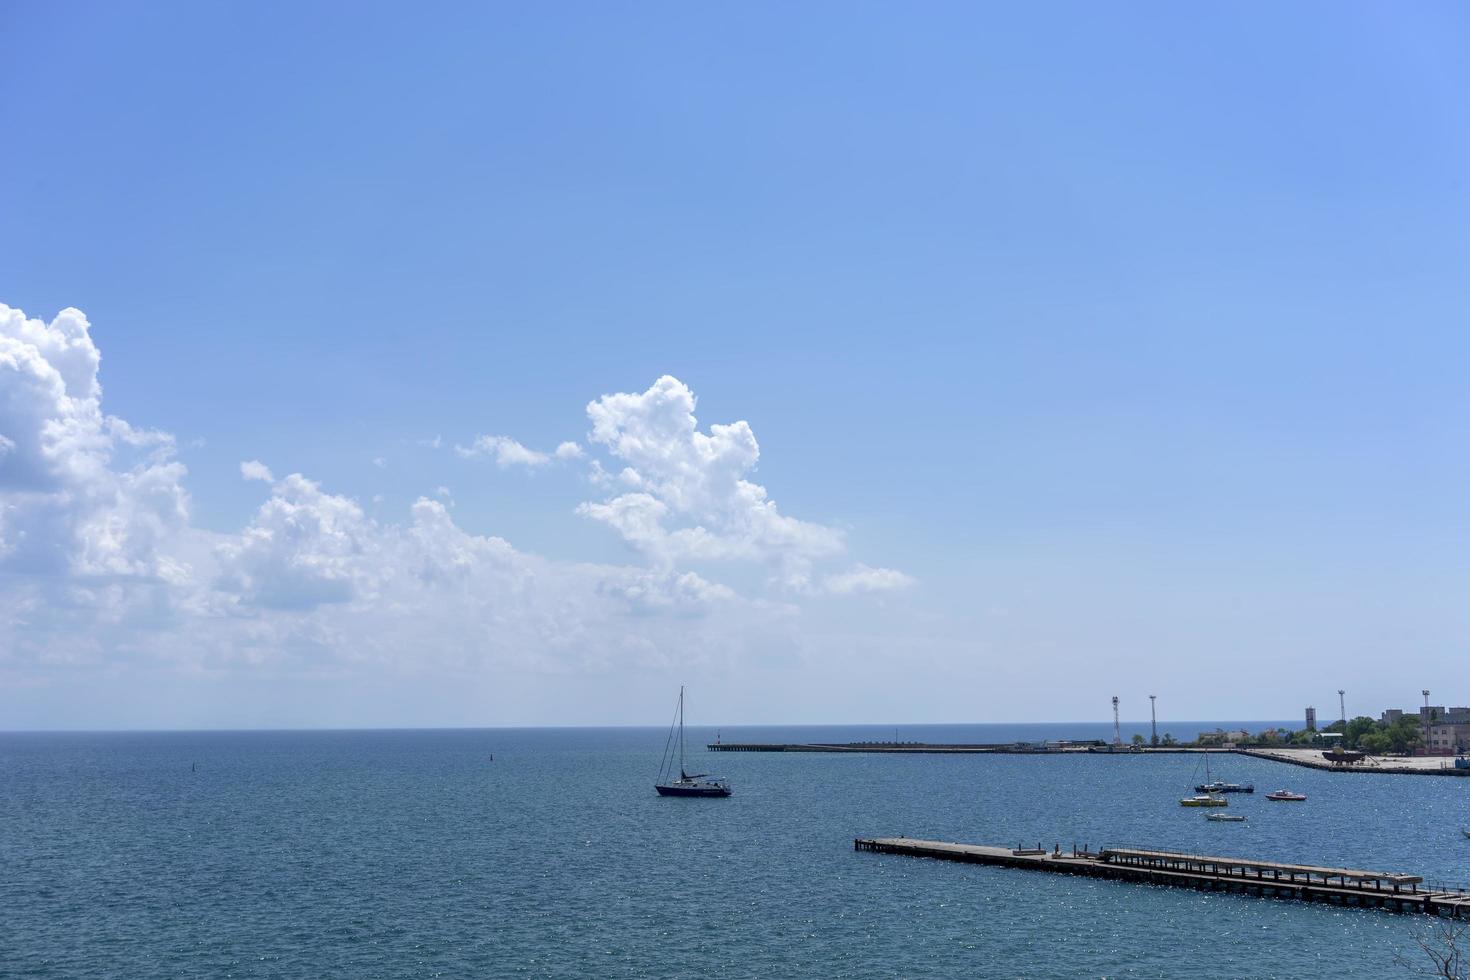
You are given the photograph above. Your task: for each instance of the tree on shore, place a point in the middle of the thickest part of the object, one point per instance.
(1440, 945)
(1377, 738)
(1373, 737)
(1356, 729)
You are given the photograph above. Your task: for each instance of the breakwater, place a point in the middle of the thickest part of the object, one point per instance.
(1311, 759)
(952, 748)
(1390, 766)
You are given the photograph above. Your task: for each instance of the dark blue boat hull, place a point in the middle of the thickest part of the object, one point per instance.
(668, 790)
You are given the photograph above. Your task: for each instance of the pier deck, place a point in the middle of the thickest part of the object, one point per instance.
(1302, 882)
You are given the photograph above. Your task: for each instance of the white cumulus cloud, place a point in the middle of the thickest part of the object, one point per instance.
(305, 547)
(80, 491)
(693, 500)
(101, 563)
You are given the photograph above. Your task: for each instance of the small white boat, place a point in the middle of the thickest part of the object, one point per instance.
(1225, 817)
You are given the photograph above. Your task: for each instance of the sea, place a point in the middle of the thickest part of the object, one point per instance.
(547, 853)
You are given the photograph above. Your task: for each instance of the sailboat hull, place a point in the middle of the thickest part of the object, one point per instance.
(674, 789)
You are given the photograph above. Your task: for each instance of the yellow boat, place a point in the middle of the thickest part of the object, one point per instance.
(1206, 800)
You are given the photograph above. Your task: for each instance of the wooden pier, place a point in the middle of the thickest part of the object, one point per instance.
(1273, 879)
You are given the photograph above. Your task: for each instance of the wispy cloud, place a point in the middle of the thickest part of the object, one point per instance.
(861, 578)
(254, 469)
(504, 450)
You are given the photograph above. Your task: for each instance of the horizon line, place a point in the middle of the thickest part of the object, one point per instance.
(488, 728)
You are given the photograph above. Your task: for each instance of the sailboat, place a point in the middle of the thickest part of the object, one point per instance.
(1221, 787)
(698, 784)
(1207, 799)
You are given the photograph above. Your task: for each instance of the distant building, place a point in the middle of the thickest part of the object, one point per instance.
(1311, 719)
(1449, 739)
(1431, 713)
(1392, 716)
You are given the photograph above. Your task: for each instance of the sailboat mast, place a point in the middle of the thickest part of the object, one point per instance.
(681, 731)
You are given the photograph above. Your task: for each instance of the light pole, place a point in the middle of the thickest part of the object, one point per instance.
(1341, 710)
(1426, 720)
(1117, 735)
(1153, 717)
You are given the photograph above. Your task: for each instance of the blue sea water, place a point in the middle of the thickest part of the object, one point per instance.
(412, 854)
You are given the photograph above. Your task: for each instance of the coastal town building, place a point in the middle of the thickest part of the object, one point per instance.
(1435, 713)
(1446, 730)
(1311, 719)
(1449, 739)
(1429, 714)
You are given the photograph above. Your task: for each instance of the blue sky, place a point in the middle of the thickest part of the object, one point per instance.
(1130, 338)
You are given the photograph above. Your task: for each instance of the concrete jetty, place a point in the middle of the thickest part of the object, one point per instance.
(1309, 758)
(1302, 882)
(940, 748)
(1416, 765)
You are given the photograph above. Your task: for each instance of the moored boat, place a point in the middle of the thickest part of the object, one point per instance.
(1286, 795)
(697, 784)
(1204, 800)
(1225, 817)
(1219, 787)
(1207, 798)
